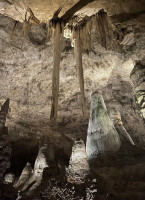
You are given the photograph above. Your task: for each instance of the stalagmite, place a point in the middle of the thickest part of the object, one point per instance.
(44, 159)
(116, 118)
(25, 175)
(78, 56)
(4, 112)
(78, 166)
(57, 41)
(102, 136)
(138, 78)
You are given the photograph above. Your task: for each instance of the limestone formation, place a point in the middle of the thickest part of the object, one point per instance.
(25, 175)
(4, 112)
(78, 165)
(78, 56)
(9, 178)
(138, 78)
(57, 41)
(102, 136)
(116, 118)
(44, 159)
(102, 26)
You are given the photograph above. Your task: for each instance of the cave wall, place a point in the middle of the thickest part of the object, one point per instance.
(26, 78)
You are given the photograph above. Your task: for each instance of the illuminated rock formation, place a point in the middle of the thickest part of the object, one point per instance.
(102, 136)
(44, 159)
(78, 166)
(25, 175)
(116, 118)
(138, 78)
(9, 178)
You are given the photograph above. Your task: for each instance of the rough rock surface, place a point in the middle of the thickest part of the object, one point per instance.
(26, 78)
(138, 79)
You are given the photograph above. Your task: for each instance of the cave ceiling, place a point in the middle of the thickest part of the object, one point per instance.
(44, 9)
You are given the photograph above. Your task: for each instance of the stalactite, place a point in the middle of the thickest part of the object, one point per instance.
(78, 57)
(116, 118)
(102, 137)
(49, 31)
(57, 43)
(103, 29)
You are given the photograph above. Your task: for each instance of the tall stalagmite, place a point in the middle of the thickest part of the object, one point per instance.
(102, 136)
(78, 166)
(57, 42)
(78, 56)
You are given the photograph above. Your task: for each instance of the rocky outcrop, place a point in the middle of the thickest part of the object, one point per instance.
(102, 136)
(138, 78)
(116, 118)
(25, 175)
(78, 165)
